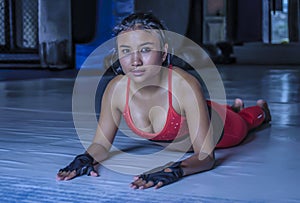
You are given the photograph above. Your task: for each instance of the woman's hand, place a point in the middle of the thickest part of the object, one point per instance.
(158, 179)
(81, 165)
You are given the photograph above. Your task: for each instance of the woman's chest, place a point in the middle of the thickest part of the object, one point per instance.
(150, 114)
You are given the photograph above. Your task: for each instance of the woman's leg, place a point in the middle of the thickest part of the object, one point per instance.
(256, 115)
(235, 130)
(238, 105)
(237, 125)
(265, 107)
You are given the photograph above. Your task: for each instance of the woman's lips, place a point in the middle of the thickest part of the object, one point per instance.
(137, 72)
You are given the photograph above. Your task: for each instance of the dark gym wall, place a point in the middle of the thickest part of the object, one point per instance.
(84, 18)
(175, 14)
(249, 21)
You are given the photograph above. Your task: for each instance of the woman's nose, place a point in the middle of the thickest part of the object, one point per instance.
(136, 59)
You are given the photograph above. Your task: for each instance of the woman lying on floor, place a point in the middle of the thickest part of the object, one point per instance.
(161, 102)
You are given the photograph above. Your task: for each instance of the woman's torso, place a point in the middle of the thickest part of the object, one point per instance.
(153, 112)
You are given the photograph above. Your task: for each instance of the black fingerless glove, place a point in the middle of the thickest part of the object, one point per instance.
(165, 177)
(82, 164)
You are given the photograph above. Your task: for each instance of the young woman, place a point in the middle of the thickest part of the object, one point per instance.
(161, 104)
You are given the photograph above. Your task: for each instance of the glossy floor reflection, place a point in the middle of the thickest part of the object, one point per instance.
(38, 137)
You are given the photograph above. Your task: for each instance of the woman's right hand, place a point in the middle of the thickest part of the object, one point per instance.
(81, 165)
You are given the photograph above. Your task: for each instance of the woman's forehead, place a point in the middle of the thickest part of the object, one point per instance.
(138, 36)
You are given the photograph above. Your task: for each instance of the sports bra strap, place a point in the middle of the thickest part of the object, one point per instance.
(127, 92)
(170, 85)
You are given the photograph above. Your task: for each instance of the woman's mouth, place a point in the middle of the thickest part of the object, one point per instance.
(137, 72)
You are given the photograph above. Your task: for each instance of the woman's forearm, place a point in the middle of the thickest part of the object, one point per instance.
(196, 164)
(98, 152)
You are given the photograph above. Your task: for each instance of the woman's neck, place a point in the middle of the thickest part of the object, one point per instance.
(152, 85)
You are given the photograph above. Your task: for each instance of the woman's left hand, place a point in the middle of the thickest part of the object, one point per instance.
(159, 178)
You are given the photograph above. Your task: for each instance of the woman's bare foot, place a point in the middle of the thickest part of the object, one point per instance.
(238, 105)
(264, 105)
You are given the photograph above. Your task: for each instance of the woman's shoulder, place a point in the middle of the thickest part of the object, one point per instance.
(186, 88)
(115, 92)
(117, 81)
(116, 84)
(182, 78)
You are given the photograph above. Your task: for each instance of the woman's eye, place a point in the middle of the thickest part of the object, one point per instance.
(125, 51)
(145, 49)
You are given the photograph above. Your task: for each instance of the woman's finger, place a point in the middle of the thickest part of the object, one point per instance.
(158, 185)
(62, 174)
(71, 175)
(147, 185)
(138, 183)
(94, 174)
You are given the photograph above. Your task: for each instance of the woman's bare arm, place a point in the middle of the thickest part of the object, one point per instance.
(107, 127)
(109, 121)
(201, 136)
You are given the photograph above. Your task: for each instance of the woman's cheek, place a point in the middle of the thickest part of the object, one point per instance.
(125, 65)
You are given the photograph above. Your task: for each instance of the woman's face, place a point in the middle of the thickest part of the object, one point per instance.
(141, 53)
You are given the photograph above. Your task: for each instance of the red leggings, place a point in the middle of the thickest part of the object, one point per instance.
(237, 125)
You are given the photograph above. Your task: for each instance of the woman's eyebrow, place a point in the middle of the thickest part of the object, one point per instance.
(124, 46)
(147, 43)
(143, 44)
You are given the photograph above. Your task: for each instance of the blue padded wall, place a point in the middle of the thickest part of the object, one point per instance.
(109, 12)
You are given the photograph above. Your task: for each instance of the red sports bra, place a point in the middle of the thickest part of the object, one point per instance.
(175, 126)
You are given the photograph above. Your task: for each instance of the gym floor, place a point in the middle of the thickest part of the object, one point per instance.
(38, 137)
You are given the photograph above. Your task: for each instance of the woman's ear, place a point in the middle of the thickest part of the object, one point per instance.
(112, 62)
(165, 51)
